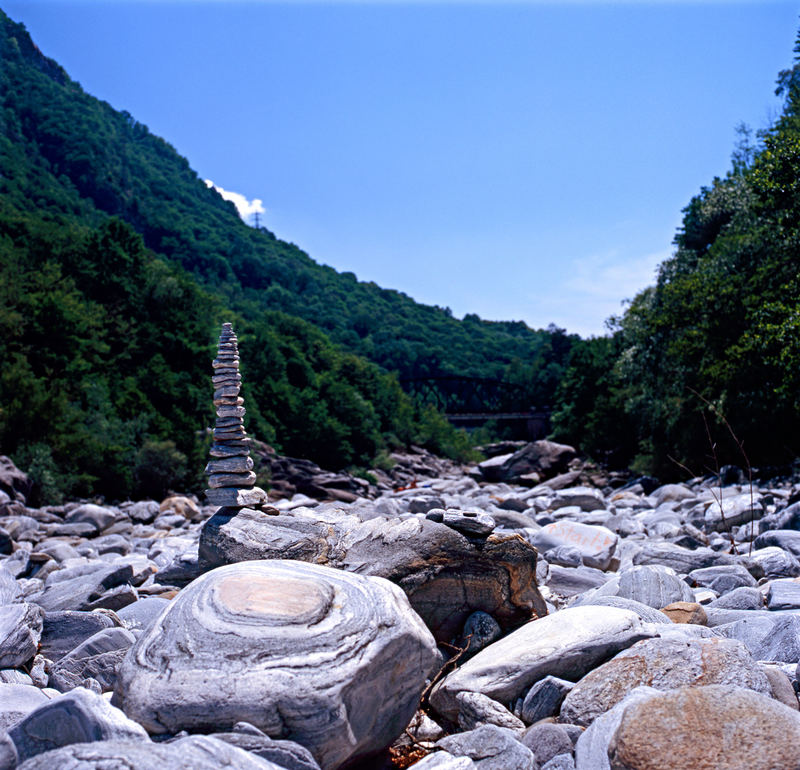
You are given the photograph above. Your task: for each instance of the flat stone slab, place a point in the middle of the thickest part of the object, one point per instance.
(329, 659)
(233, 497)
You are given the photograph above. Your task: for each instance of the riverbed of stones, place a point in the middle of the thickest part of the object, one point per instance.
(459, 623)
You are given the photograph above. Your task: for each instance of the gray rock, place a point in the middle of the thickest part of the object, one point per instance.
(774, 562)
(475, 710)
(195, 752)
(682, 560)
(468, 523)
(285, 754)
(236, 464)
(113, 599)
(781, 685)
(544, 699)
(141, 614)
(783, 594)
(571, 581)
(97, 516)
(490, 748)
(14, 676)
(9, 589)
(739, 599)
(653, 587)
(734, 511)
(787, 519)
(236, 497)
(17, 701)
(332, 660)
(664, 664)
(480, 630)
(560, 762)
(79, 716)
(645, 612)
(97, 658)
(143, 512)
(567, 645)
(767, 636)
(426, 505)
(20, 630)
(547, 741)
(16, 565)
(564, 556)
(786, 539)
(585, 498)
(13, 481)
(543, 457)
(38, 672)
(672, 493)
(709, 577)
(444, 760)
(64, 631)
(76, 588)
(596, 544)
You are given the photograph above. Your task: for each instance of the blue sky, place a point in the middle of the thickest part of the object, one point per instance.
(520, 160)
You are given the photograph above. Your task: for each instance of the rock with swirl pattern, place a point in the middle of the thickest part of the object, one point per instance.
(329, 659)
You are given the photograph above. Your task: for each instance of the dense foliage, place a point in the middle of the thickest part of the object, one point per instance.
(704, 367)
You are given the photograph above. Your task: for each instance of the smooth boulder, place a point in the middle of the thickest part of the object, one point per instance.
(567, 644)
(329, 659)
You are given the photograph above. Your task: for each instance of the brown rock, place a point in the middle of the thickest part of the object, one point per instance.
(664, 664)
(180, 504)
(686, 612)
(707, 728)
(781, 685)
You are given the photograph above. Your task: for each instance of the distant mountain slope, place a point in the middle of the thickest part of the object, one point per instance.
(117, 265)
(102, 160)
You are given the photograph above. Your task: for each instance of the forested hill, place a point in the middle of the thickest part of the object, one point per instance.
(97, 160)
(117, 265)
(704, 368)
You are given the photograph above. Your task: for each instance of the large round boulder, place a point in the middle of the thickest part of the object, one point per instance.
(718, 727)
(329, 659)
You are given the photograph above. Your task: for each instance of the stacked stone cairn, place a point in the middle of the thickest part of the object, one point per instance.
(230, 470)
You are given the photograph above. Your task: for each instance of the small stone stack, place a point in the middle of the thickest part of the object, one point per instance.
(230, 470)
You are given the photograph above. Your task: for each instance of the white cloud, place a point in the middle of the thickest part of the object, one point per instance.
(245, 207)
(597, 288)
